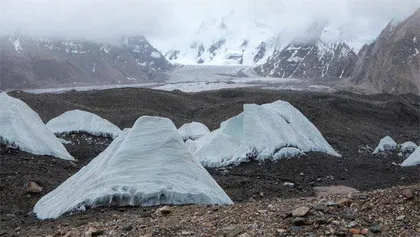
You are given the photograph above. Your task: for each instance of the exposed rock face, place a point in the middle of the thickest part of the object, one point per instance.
(27, 62)
(392, 62)
(316, 60)
(321, 51)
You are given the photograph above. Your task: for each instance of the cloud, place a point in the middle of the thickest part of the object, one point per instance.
(106, 20)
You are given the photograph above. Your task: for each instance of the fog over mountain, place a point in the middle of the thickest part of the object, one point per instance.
(169, 20)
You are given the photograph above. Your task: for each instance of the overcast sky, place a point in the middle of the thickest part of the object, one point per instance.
(163, 19)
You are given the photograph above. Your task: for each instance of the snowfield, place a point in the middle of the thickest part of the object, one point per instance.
(193, 131)
(146, 165)
(413, 159)
(22, 127)
(82, 121)
(270, 131)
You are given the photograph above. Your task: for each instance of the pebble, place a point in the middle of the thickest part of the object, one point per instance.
(374, 229)
(320, 220)
(345, 202)
(301, 211)
(400, 218)
(165, 210)
(289, 184)
(33, 187)
(298, 221)
(354, 231)
(408, 193)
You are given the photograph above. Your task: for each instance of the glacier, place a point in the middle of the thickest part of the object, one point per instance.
(193, 130)
(385, 144)
(145, 165)
(413, 159)
(21, 126)
(83, 121)
(269, 131)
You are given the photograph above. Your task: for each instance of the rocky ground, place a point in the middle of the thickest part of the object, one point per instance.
(389, 212)
(352, 124)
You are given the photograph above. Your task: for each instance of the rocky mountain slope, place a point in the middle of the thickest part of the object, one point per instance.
(224, 42)
(322, 51)
(392, 62)
(27, 62)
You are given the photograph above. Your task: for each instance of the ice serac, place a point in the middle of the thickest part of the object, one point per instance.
(385, 144)
(413, 159)
(407, 147)
(144, 166)
(82, 121)
(193, 130)
(22, 127)
(269, 131)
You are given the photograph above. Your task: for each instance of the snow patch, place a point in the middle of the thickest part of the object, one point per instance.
(145, 166)
(155, 54)
(17, 46)
(21, 126)
(82, 121)
(260, 132)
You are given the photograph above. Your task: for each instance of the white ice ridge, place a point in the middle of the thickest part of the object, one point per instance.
(82, 121)
(21, 126)
(269, 131)
(146, 165)
(385, 144)
(193, 130)
(413, 159)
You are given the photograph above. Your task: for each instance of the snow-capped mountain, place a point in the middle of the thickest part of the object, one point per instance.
(230, 40)
(391, 63)
(321, 51)
(28, 62)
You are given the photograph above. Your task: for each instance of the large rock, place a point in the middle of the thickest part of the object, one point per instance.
(144, 166)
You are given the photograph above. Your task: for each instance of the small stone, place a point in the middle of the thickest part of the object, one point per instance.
(72, 164)
(295, 228)
(332, 204)
(33, 187)
(127, 228)
(298, 221)
(347, 216)
(400, 218)
(374, 229)
(233, 230)
(281, 231)
(261, 194)
(319, 207)
(318, 179)
(184, 232)
(352, 224)
(364, 231)
(302, 174)
(244, 235)
(92, 232)
(289, 184)
(354, 231)
(301, 211)
(408, 193)
(345, 202)
(321, 221)
(165, 210)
